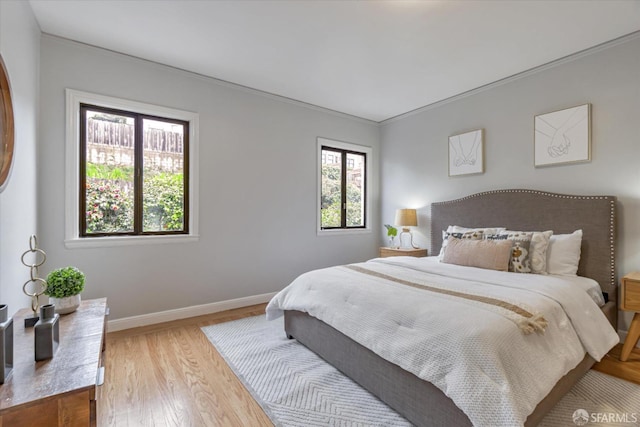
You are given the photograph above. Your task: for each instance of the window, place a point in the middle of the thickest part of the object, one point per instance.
(343, 185)
(133, 171)
(132, 178)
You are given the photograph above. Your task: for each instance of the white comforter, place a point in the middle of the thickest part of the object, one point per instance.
(492, 371)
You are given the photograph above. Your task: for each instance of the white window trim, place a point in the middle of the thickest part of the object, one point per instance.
(72, 178)
(352, 147)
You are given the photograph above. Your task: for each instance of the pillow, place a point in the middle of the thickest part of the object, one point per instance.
(489, 254)
(520, 261)
(563, 255)
(460, 229)
(485, 230)
(537, 249)
(468, 235)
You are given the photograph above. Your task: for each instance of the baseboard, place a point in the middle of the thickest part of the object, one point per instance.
(185, 312)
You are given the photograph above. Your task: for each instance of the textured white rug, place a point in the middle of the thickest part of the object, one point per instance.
(297, 388)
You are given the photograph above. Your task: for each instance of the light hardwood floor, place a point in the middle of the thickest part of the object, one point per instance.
(611, 364)
(170, 375)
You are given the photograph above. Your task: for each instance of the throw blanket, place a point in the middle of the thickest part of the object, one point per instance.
(478, 357)
(520, 315)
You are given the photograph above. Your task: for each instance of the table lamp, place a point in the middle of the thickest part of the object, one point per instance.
(406, 218)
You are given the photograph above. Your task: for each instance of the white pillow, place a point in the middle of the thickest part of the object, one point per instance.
(563, 254)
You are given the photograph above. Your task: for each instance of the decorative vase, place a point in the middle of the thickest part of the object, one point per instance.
(47, 333)
(66, 305)
(392, 242)
(6, 343)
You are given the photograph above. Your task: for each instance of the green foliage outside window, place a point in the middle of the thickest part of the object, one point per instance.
(354, 206)
(163, 202)
(331, 199)
(114, 173)
(110, 200)
(109, 208)
(330, 202)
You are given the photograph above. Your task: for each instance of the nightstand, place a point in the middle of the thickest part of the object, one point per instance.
(389, 252)
(630, 301)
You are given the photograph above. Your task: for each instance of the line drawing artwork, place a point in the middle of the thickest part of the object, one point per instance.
(562, 136)
(465, 153)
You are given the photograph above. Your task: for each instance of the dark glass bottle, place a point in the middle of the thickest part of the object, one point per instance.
(6, 343)
(47, 333)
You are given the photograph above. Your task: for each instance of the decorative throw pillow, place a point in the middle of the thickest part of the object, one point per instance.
(489, 254)
(468, 235)
(485, 230)
(520, 261)
(563, 255)
(537, 249)
(460, 229)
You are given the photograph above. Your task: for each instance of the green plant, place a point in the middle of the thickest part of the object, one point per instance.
(163, 202)
(391, 230)
(109, 208)
(64, 282)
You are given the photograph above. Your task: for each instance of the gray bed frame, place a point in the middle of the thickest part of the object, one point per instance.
(419, 401)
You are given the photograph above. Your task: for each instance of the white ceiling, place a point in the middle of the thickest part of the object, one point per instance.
(371, 59)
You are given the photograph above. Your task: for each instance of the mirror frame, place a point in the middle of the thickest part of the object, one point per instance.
(6, 126)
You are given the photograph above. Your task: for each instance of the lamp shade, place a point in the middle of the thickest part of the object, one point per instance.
(406, 217)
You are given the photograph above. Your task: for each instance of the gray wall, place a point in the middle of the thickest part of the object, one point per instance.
(414, 148)
(257, 186)
(20, 48)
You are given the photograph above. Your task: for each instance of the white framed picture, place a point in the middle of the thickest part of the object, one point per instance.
(563, 136)
(466, 153)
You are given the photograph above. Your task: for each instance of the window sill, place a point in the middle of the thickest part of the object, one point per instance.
(343, 231)
(103, 242)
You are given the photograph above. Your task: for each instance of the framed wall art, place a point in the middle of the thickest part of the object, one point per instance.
(563, 136)
(466, 153)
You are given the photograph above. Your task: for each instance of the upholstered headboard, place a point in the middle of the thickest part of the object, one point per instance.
(531, 210)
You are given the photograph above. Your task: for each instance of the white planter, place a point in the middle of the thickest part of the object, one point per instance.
(66, 305)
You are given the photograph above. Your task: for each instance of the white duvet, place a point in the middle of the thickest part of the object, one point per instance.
(492, 371)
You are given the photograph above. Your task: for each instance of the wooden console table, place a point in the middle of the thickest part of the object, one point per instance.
(60, 391)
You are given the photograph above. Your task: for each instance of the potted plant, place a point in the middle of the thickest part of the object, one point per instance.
(63, 287)
(392, 232)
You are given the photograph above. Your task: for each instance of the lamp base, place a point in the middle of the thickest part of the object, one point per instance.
(407, 231)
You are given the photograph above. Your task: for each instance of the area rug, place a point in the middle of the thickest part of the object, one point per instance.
(297, 388)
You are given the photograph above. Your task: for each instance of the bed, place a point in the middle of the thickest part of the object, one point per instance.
(405, 389)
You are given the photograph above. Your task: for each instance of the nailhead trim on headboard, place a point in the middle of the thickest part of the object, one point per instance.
(612, 245)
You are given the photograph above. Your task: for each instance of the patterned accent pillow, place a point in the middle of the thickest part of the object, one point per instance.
(471, 235)
(485, 230)
(537, 249)
(520, 261)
